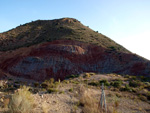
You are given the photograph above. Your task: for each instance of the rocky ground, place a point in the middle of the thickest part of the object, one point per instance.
(80, 95)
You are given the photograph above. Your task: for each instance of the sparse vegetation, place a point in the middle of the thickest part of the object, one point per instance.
(22, 101)
(87, 75)
(71, 90)
(135, 83)
(116, 83)
(36, 84)
(17, 99)
(87, 102)
(52, 90)
(94, 83)
(126, 88)
(72, 76)
(50, 30)
(106, 83)
(82, 92)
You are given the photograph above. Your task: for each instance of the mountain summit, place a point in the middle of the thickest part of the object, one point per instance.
(49, 30)
(57, 48)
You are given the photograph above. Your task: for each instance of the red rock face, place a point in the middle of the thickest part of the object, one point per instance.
(64, 57)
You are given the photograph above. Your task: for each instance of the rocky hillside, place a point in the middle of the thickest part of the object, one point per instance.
(61, 47)
(49, 30)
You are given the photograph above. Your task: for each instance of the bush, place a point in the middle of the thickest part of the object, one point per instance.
(87, 75)
(135, 83)
(44, 85)
(50, 84)
(51, 81)
(126, 88)
(144, 79)
(66, 81)
(74, 82)
(72, 76)
(133, 77)
(112, 48)
(71, 90)
(51, 90)
(94, 83)
(36, 84)
(126, 76)
(22, 101)
(117, 83)
(106, 83)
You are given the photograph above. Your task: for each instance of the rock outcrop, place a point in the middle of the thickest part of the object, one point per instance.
(62, 57)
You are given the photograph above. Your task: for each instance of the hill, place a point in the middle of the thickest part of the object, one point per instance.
(49, 30)
(58, 48)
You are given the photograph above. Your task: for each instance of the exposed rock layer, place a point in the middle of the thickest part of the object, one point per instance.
(63, 57)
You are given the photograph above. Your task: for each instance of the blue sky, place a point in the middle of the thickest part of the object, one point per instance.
(125, 21)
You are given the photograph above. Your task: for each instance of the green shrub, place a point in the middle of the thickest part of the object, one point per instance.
(86, 81)
(75, 82)
(92, 74)
(71, 89)
(36, 84)
(44, 85)
(22, 101)
(87, 75)
(51, 90)
(116, 84)
(56, 84)
(94, 83)
(50, 83)
(126, 76)
(126, 88)
(144, 79)
(133, 77)
(66, 81)
(112, 48)
(134, 83)
(106, 83)
(72, 76)
(61, 92)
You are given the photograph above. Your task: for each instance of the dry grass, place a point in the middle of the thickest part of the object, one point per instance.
(87, 101)
(22, 101)
(88, 75)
